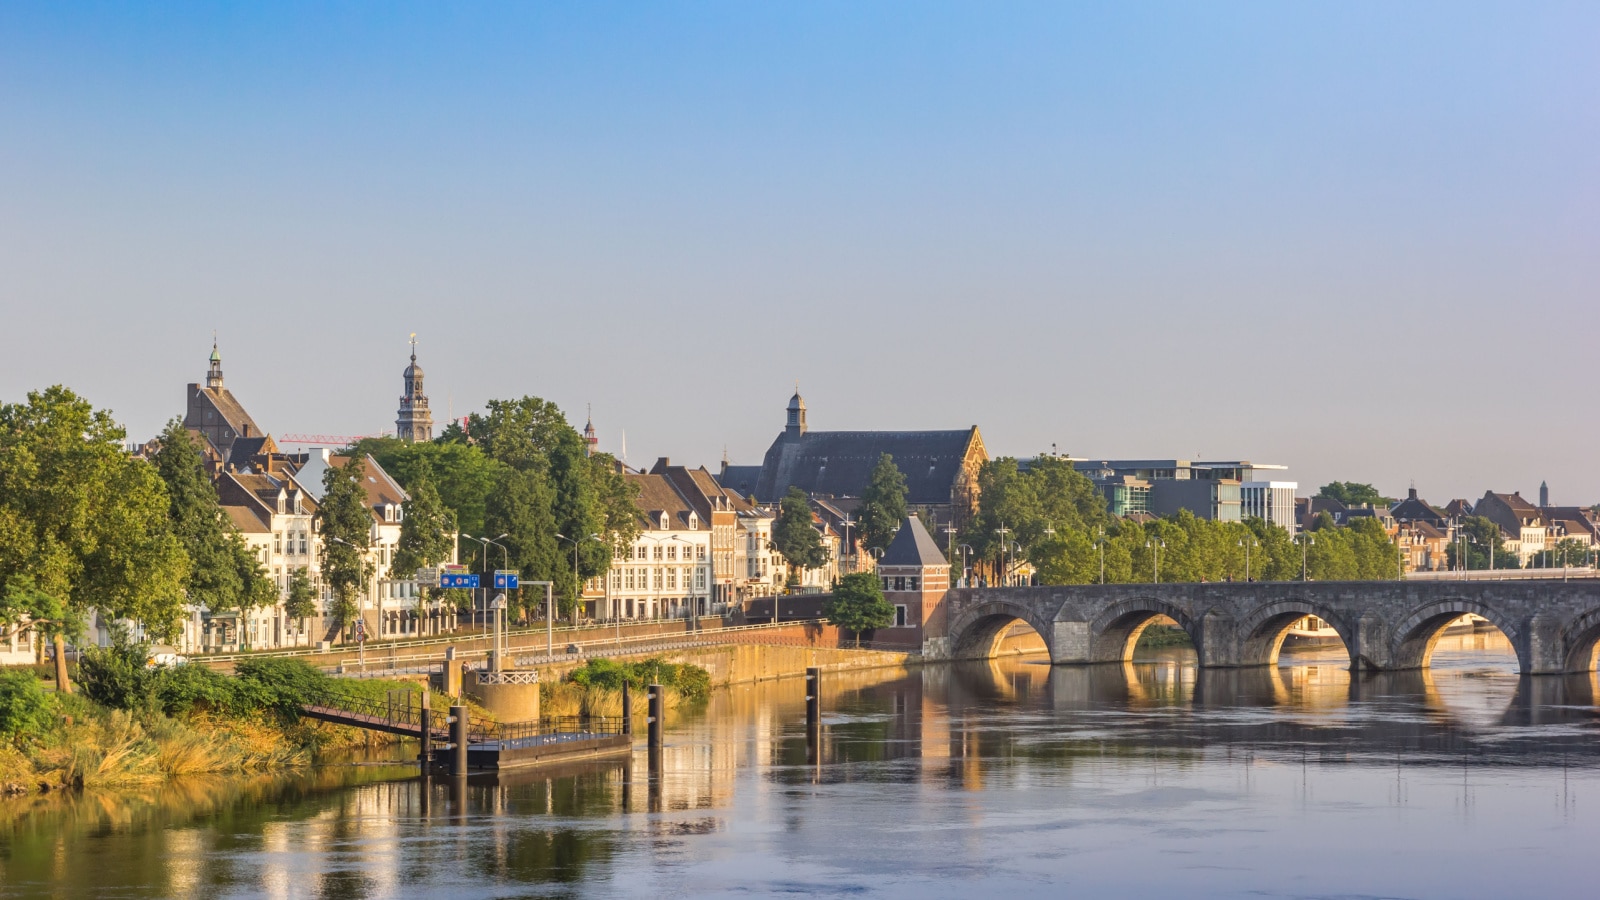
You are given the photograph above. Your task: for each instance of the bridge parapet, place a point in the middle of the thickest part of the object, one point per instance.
(1553, 626)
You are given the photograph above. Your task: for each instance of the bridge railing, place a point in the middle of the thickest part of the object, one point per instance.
(397, 714)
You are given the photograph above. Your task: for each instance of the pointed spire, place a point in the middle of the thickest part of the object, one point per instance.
(214, 372)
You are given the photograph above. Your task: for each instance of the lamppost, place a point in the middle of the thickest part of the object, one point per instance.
(486, 542)
(1155, 547)
(1247, 544)
(849, 549)
(966, 549)
(1100, 541)
(1015, 548)
(1002, 531)
(1306, 540)
(577, 584)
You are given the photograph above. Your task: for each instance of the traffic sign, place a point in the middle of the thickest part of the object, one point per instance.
(428, 576)
(453, 580)
(361, 630)
(506, 579)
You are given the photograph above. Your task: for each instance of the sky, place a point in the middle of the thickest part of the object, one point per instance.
(1358, 239)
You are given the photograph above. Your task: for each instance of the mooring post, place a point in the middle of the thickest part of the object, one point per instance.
(813, 714)
(425, 720)
(656, 709)
(458, 737)
(627, 710)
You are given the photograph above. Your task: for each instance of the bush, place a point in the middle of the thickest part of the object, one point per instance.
(116, 676)
(281, 684)
(25, 708)
(691, 682)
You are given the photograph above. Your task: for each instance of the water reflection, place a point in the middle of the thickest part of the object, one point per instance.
(1006, 774)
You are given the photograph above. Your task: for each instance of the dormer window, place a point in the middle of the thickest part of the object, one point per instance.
(281, 500)
(663, 522)
(694, 522)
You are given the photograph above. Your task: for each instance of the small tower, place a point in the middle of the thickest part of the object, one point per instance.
(915, 578)
(590, 439)
(1544, 494)
(214, 374)
(797, 415)
(414, 422)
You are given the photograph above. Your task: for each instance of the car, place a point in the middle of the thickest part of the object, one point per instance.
(165, 661)
(573, 648)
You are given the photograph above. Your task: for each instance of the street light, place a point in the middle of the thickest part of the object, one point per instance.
(1155, 547)
(966, 550)
(1002, 531)
(1100, 541)
(1306, 540)
(1015, 548)
(578, 585)
(486, 542)
(1247, 544)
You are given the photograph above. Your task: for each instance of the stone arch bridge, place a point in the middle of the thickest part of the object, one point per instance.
(1554, 626)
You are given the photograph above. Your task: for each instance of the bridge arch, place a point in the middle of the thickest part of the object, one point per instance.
(1113, 633)
(1263, 629)
(1580, 640)
(976, 632)
(1415, 636)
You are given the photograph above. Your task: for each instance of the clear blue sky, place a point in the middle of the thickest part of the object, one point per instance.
(1362, 239)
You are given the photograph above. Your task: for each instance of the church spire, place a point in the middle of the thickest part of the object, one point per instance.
(590, 438)
(796, 424)
(214, 373)
(414, 422)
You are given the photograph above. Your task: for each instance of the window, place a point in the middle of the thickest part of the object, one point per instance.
(899, 582)
(700, 553)
(672, 551)
(659, 576)
(277, 542)
(913, 583)
(641, 552)
(672, 579)
(658, 551)
(700, 579)
(886, 583)
(303, 550)
(899, 616)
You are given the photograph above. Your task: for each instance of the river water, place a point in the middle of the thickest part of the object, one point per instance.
(1010, 778)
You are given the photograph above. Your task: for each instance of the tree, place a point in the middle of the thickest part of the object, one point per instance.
(82, 522)
(1483, 540)
(858, 604)
(224, 574)
(532, 437)
(345, 524)
(1032, 505)
(883, 504)
(461, 472)
(301, 602)
(519, 508)
(426, 531)
(794, 536)
(1353, 493)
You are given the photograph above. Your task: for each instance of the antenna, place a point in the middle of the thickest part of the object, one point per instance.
(624, 446)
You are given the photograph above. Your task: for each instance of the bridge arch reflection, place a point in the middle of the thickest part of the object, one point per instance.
(1416, 636)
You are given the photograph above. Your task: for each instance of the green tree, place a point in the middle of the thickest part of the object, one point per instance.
(1484, 541)
(345, 524)
(858, 604)
(426, 531)
(532, 436)
(83, 522)
(461, 472)
(224, 574)
(301, 602)
(519, 508)
(794, 536)
(1352, 493)
(1034, 506)
(883, 505)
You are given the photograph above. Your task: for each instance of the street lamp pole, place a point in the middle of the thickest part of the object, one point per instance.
(1003, 531)
(1306, 540)
(966, 550)
(1155, 547)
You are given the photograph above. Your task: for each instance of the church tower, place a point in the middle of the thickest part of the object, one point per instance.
(214, 374)
(590, 439)
(414, 421)
(797, 415)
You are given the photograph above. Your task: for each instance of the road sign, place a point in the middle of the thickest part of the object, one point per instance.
(428, 576)
(454, 580)
(361, 630)
(505, 579)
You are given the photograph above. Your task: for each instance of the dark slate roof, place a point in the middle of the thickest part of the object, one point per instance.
(913, 546)
(840, 462)
(1415, 509)
(742, 479)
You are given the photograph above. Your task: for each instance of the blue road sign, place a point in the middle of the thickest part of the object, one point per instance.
(506, 581)
(450, 580)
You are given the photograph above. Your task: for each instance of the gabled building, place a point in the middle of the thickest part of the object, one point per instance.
(667, 571)
(1415, 509)
(915, 577)
(229, 436)
(1522, 526)
(274, 515)
(940, 467)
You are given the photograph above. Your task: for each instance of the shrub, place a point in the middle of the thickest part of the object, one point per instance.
(280, 683)
(116, 676)
(691, 682)
(25, 708)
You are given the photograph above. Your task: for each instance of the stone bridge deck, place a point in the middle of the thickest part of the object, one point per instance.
(1553, 626)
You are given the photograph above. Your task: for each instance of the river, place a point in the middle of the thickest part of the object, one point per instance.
(1011, 778)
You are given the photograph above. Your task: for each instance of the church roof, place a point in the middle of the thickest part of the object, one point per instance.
(840, 462)
(742, 479)
(913, 546)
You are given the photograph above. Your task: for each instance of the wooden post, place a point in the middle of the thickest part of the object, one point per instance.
(627, 710)
(813, 714)
(425, 718)
(657, 707)
(458, 736)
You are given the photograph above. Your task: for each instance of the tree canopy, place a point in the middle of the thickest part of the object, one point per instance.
(883, 504)
(346, 527)
(1353, 493)
(858, 604)
(794, 536)
(83, 526)
(1036, 505)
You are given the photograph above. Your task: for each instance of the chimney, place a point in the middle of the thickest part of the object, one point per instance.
(1412, 493)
